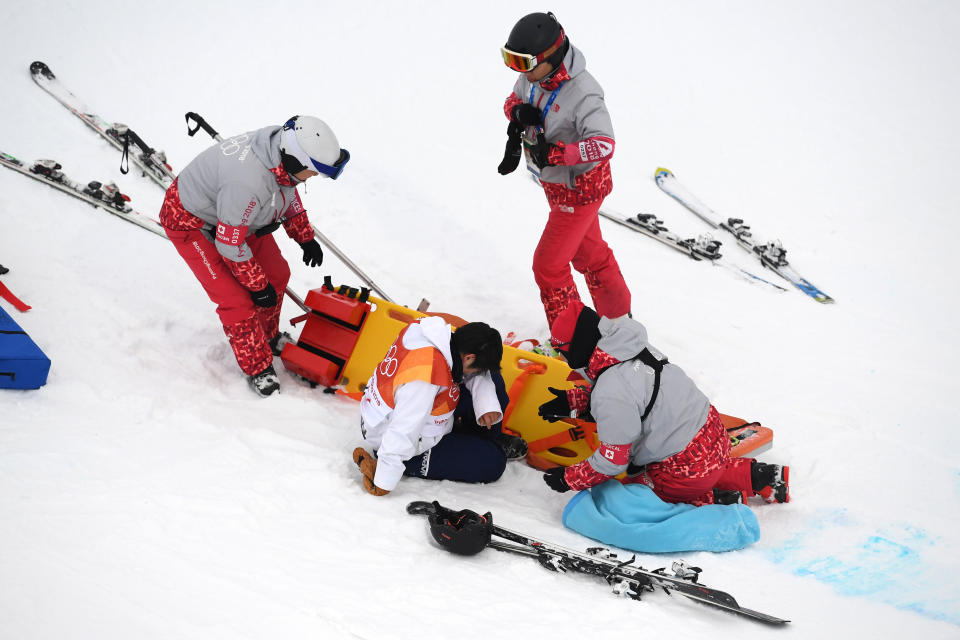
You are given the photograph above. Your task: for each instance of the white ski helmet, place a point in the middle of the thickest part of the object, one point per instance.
(308, 143)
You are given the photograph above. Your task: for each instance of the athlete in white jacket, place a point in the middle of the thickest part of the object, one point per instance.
(409, 402)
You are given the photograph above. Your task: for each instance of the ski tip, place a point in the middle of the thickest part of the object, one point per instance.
(661, 172)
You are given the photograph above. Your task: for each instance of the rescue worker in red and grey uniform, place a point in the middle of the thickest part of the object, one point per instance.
(220, 213)
(557, 108)
(652, 421)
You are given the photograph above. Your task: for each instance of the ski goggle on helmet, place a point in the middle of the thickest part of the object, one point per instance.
(308, 143)
(533, 39)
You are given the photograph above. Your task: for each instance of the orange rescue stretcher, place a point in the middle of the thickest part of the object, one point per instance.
(347, 332)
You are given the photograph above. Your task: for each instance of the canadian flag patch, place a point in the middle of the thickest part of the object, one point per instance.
(233, 236)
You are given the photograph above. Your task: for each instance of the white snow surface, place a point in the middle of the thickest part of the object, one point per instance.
(145, 492)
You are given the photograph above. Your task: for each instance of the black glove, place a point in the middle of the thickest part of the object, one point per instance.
(555, 409)
(312, 253)
(265, 297)
(511, 155)
(540, 152)
(555, 480)
(526, 114)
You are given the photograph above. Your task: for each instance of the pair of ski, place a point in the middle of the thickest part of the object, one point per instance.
(627, 578)
(98, 194)
(701, 248)
(103, 196)
(771, 255)
(152, 163)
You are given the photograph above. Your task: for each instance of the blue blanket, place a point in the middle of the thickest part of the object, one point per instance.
(633, 517)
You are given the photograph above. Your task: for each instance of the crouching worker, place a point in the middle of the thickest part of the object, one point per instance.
(220, 213)
(652, 420)
(408, 406)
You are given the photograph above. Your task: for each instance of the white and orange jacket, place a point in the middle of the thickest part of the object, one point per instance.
(408, 404)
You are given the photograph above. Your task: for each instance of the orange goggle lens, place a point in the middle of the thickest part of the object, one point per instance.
(518, 61)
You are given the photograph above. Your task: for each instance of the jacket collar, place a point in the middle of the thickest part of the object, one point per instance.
(554, 80)
(283, 178)
(600, 360)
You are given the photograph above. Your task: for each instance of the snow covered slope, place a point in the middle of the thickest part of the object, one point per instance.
(145, 492)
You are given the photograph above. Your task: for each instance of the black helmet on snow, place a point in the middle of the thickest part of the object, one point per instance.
(536, 38)
(462, 532)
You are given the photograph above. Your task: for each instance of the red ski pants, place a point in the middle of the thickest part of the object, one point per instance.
(247, 326)
(572, 235)
(691, 475)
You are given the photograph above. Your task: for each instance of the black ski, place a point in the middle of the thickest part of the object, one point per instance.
(702, 248)
(625, 577)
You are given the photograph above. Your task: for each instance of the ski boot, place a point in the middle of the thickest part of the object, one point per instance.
(278, 341)
(546, 349)
(514, 447)
(721, 496)
(770, 481)
(265, 382)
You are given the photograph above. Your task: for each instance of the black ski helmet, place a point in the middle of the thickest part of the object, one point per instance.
(535, 33)
(462, 532)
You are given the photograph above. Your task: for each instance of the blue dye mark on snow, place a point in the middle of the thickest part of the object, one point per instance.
(889, 566)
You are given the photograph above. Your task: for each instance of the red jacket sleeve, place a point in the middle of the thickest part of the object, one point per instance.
(249, 274)
(295, 221)
(578, 398)
(592, 149)
(582, 476)
(511, 102)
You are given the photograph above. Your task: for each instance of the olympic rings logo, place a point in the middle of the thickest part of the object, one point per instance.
(232, 145)
(390, 364)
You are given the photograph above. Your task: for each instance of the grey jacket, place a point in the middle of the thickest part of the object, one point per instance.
(230, 187)
(578, 112)
(622, 392)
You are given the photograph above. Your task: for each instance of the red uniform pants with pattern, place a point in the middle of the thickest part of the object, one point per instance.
(248, 327)
(572, 235)
(705, 465)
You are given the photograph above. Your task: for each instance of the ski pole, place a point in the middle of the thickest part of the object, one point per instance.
(201, 124)
(357, 271)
